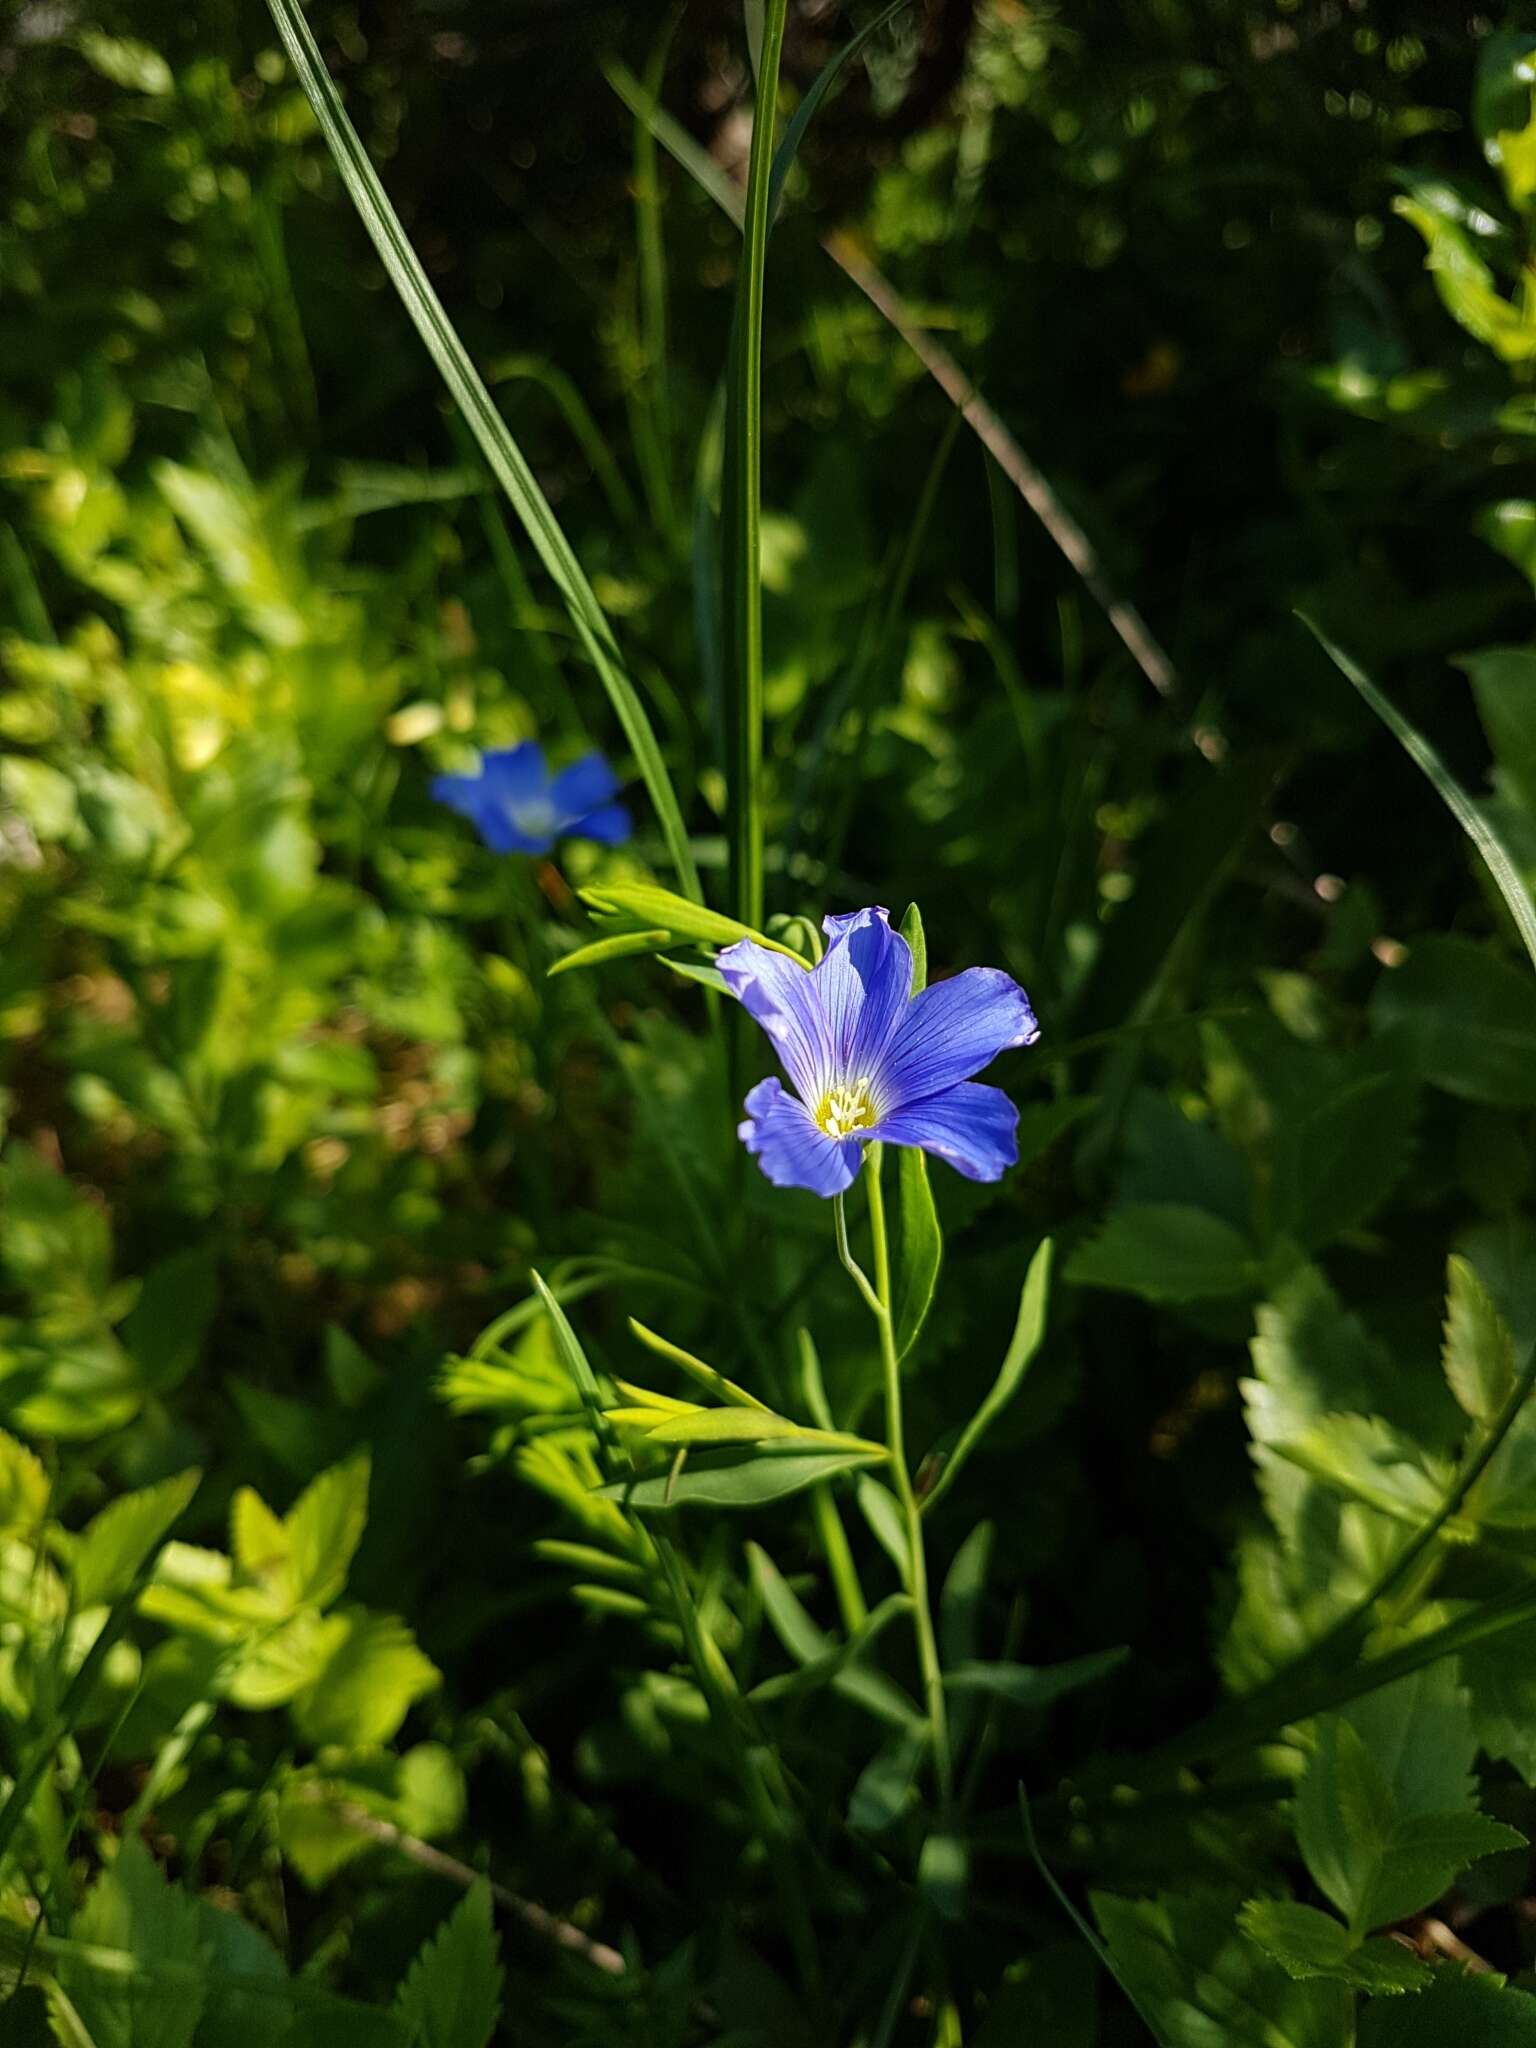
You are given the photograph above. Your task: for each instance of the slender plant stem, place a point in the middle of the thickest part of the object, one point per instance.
(834, 1542)
(746, 804)
(895, 1438)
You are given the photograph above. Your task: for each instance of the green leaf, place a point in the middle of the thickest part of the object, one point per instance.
(1034, 1685)
(944, 1875)
(647, 907)
(126, 62)
(373, 1677)
(1307, 1943)
(1500, 1677)
(490, 430)
(713, 1382)
(1203, 1984)
(1166, 1251)
(165, 1329)
(748, 1426)
(1473, 821)
(1457, 2011)
(24, 1488)
(324, 1527)
(1463, 1019)
(1504, 684)
(1374, 1861)
(1465, 282)
(619, 947)
(1479, 1352)
(1336, 1162)
(1366, 1459)
(812, 1648)
(113, 1546)
(451, 1997)
(734, 1479)
(240, 2015)
(887, 1786)
(1023, 1346)
(133, 1909)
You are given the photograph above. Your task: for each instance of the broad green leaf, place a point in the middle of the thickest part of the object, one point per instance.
(373, 1677)
(1463, 1019)
(1479, 1353)
(132, 1908)
(620, 947)
(324, 1527)
(734, 1479)
(111, 1549)
(240, 2015)
(1307, 1943)
(1337, 1161)
(1457, 2011)
(1472, 820)
(1034, 1685)
(451, 1997)
(1166, 1251)
(1504, 684)
(480, 414)
(421, 1792)
(1203, 1984)
(1023, 1346)
(165, 1329)
(714, 1382)
(1368, 1460)
(258, 1538)
(1376, 1862)
(24, 1489)
(1500, 1677)
(280, 1663)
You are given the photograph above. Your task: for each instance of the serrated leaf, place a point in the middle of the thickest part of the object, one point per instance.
(1307, 1943)
(451, 1997)
(733, 1479)
(1166, 1251)
(1203, 1984)
(373, 1677)
(1457, 2011)
(1479, 1352)
(258, 1537)
(1364, 1458)
(1425, 1854)
(1464, 1019)
(108, 1553)
(324, 1527)
(133, 1909)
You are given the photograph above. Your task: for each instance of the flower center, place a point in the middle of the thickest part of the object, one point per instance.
(535, 818)
(846, 1108)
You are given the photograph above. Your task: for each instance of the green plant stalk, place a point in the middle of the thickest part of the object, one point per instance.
(654, 444)
(746, 821)
(878, 1296)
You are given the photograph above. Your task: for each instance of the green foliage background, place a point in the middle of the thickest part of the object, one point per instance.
(337, 1703)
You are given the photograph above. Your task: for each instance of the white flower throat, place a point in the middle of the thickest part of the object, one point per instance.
(846, 1108)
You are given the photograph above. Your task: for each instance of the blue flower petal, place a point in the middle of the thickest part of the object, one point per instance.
(610, 825)
(585, 786)
(970, 1126)
(515, 775)
(952, 1031)
(462, 793)
(782, 1136)
(784, 1000)
(865, 983)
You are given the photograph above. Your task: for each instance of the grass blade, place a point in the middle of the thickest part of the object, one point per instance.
(485, 422)
(1495, 854)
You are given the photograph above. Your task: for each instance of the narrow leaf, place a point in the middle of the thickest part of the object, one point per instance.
(1028, 1335)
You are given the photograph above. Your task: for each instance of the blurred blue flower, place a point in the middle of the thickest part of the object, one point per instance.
(870, 1061)
(517, 806)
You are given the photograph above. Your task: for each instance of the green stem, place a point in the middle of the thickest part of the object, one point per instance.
(746, 801)
(895, 1438)
(851, 1604)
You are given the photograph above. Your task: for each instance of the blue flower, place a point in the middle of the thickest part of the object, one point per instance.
(872, 1062)
(517, 806)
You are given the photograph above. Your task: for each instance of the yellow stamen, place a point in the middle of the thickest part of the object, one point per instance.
(846, 1108)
